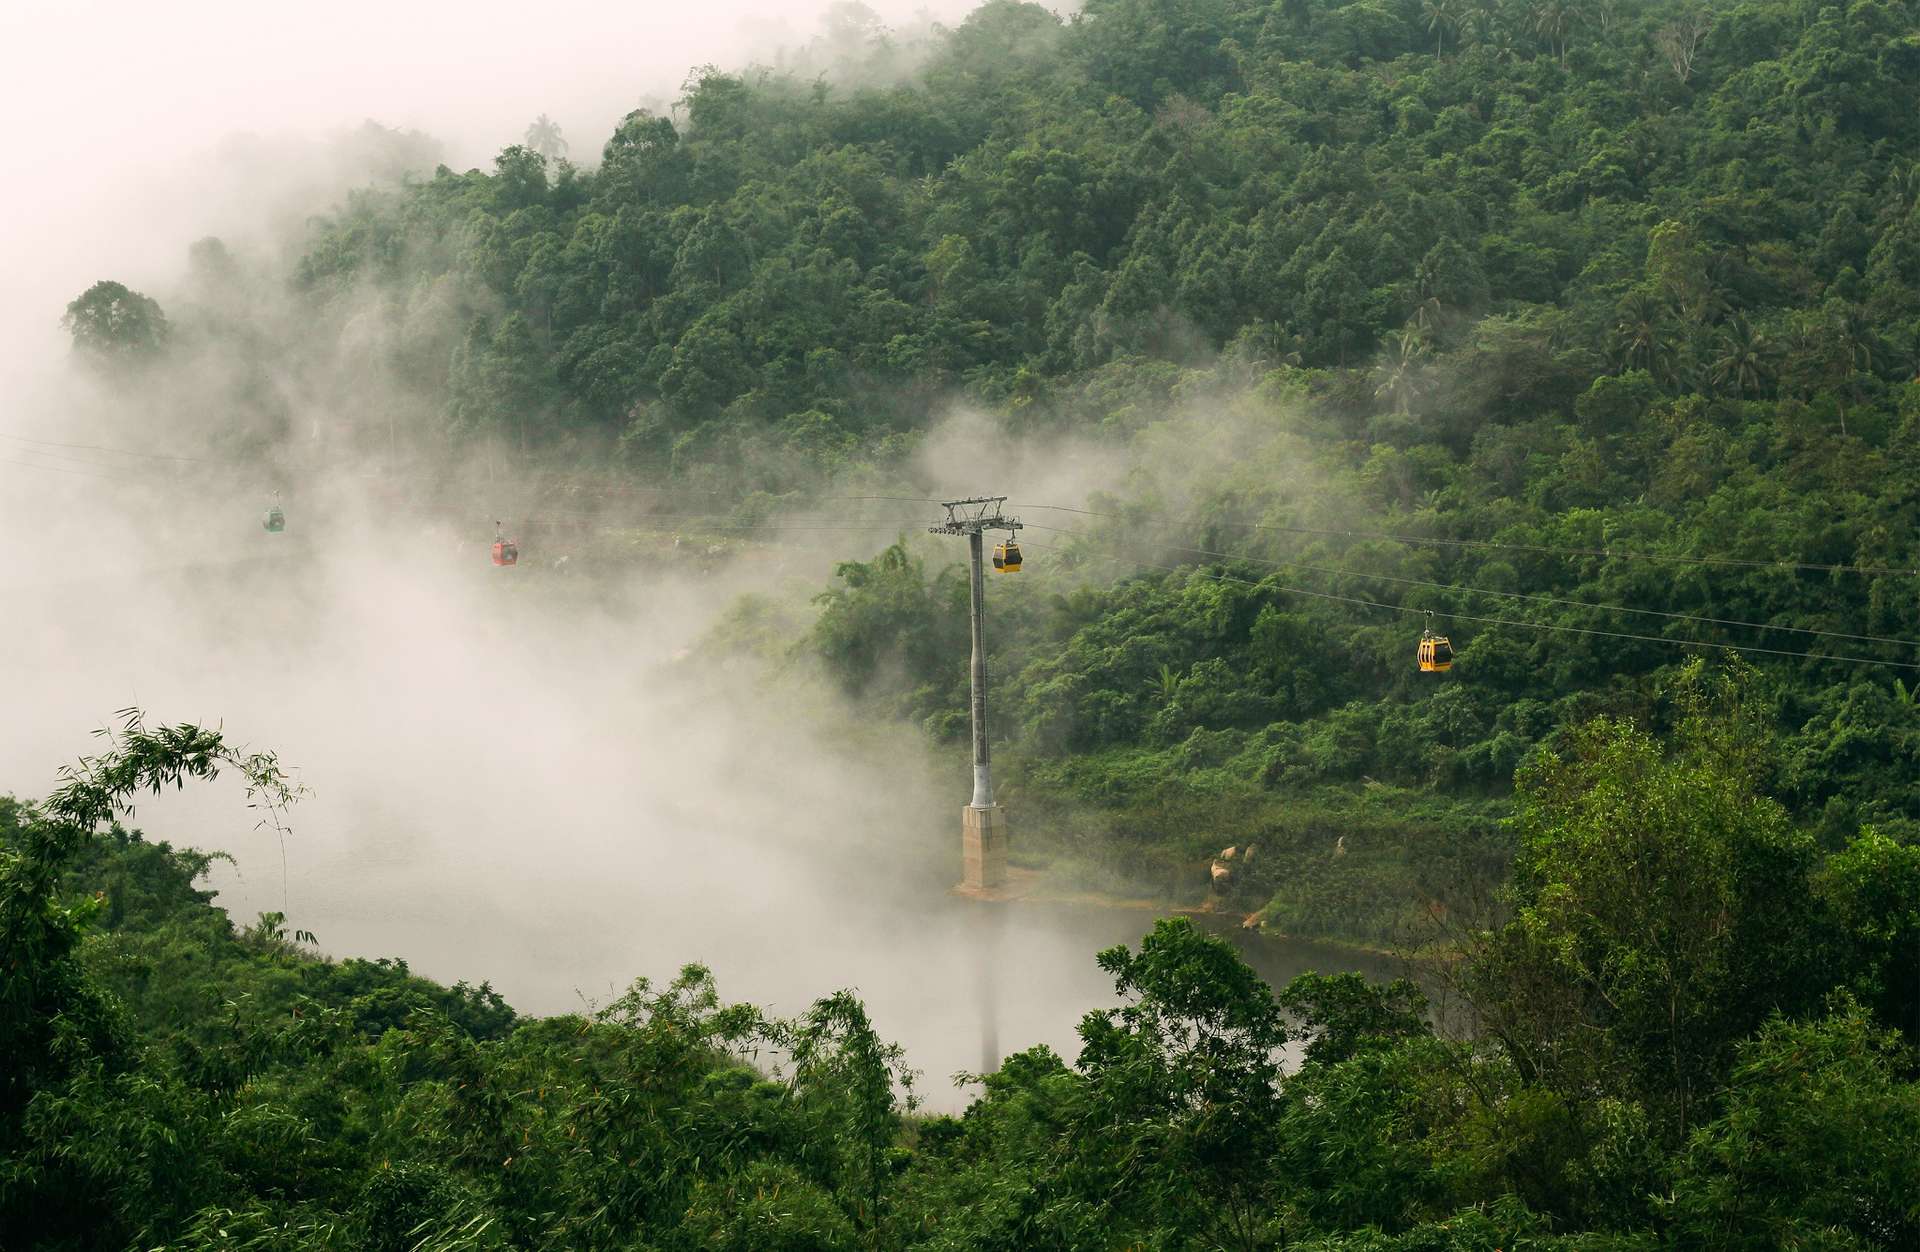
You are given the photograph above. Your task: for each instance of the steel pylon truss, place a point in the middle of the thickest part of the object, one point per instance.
(974, 515)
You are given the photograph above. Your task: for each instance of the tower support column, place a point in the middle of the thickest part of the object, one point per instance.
(983, 824)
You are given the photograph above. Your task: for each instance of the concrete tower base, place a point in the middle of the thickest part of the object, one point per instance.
(983, 848)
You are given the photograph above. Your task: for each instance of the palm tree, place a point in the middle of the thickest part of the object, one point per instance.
(1399, 372)
(1442, 16)
(1500, 43)
(1742, 362)
(1639, 336)
(1695, 300)
(1166, 685)
(1857, 337)
(1481, 22)
(1826, 347)
(1904, 188)
(544, 137)
(1427, 316)
(1553, 20)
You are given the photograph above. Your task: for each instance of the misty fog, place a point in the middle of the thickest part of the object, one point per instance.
(520, 776)
(512, 780)
(155, 125)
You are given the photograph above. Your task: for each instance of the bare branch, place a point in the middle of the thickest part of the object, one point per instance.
(1680, 39)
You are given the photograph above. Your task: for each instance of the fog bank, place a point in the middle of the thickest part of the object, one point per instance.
(154, 125)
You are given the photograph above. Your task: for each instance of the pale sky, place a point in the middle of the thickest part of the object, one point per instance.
(118, 106)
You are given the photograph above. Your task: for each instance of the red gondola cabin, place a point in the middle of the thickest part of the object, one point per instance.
(506, 552)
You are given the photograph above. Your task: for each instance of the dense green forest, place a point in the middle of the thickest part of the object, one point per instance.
(1693, 1030)
(1568, 279)
(1591, 328)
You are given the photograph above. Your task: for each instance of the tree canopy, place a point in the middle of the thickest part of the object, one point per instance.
(1591, 328)
(1674, 1042)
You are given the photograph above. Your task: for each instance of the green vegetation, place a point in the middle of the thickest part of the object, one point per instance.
(1587, 278)
(1524, 313)
(1693, 1030)
(1447, 226)
(115, 327)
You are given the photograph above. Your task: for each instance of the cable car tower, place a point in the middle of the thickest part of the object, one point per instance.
(983, 838)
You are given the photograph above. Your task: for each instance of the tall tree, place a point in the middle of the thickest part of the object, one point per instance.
(114, 326)
(1554, 20)
(1742, 360)
(1443, 18)
(58, 1025)
(1679, 40)
(1663, 911)
(543, 136)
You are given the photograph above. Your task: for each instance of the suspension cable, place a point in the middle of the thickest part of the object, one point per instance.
(1514, 595)
(1502, 621)
(1536, 549)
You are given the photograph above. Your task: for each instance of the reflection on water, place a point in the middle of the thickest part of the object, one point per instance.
(959, 983)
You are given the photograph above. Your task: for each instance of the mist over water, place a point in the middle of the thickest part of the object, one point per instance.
(513, 778)
(523, 776)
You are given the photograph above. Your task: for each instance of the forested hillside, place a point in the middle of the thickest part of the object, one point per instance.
(1591, 328)
(1481, 209)
(1694, 1032)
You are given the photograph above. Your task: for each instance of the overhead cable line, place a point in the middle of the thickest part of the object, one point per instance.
(1536, 549)
(1514, 595)
(603, 515)
(95, 447)
(112, 467)
(166, 456)
(1321, 532)
(756, 526)
(1504, 621)
(719, 522)
(734, 528)
(63, 469)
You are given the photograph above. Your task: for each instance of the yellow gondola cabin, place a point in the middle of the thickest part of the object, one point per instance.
(1436, 651)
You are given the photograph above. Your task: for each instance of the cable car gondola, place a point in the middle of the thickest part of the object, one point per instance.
(275, 520)
(1436, 651)
(505, 550)
(1006, 558)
